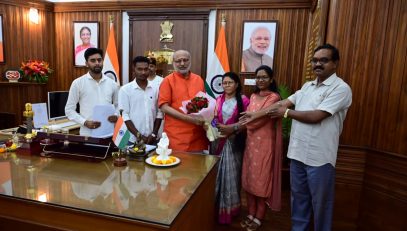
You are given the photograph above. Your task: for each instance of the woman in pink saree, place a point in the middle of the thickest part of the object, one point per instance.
(261, 171)
(230, 147)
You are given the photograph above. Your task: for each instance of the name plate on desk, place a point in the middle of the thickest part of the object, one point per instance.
(75, 146)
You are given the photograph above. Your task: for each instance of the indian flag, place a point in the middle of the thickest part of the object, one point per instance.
(218, 65)
(111, 60)
(121, 135)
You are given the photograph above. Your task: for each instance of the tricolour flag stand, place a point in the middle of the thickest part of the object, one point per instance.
(219, 64)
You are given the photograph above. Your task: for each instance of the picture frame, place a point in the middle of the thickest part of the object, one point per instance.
(259, 39)
(2, 54)
(85, 35)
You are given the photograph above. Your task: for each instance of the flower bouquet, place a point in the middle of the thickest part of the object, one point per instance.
(197, 104)
(202, 105)
(36, 70)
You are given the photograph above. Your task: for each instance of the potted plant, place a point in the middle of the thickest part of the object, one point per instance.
(285, 92)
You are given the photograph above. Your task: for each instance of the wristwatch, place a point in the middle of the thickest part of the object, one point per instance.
(236, 128)
(153, 135)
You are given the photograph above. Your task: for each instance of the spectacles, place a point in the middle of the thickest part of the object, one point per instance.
(181, 60)
(229, 83)
(264, 78)
(321, 60)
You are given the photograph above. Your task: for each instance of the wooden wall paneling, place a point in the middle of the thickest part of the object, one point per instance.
(384, 196)
(39, 4)
(66, 71)
(399, 77)
(373, 54)
(393, 81)
(24, 40)
(218, 4)
(371, 38)
(18, 94)
(342, 35)
(350, 168)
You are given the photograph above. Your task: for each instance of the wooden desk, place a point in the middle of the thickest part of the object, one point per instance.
(80, 195)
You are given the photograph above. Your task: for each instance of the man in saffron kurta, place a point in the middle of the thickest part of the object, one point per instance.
(185, 132)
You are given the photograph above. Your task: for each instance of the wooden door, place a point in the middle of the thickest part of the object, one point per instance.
(190, 32)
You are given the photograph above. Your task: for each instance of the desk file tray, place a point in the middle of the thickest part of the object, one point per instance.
(75, 146)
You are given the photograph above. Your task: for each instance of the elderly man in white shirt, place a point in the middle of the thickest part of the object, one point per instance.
(138, 101)
(320, 110)
(90, 90)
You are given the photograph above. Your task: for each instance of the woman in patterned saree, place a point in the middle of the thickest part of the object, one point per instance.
(261, 170)
(230, 147)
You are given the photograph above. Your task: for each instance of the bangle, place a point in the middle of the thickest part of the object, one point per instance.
(286, 113)
(235, 128)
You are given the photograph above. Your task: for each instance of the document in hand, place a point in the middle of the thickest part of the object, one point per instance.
(101, 113)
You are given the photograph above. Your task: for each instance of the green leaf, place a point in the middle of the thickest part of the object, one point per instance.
(285, 92)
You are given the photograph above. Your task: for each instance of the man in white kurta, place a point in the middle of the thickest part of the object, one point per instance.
(138, 103)
(156, 81)
(153, 77)
(90, 90)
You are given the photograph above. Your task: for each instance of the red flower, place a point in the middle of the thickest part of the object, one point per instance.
(197, 104)
(35, 70)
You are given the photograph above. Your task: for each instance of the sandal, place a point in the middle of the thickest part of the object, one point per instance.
(246, 222)
(254, 225)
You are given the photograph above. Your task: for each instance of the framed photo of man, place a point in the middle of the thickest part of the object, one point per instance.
(86, 35)
(259, 44)
(1, 40)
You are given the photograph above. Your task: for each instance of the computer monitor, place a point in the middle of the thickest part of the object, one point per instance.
(56, 104)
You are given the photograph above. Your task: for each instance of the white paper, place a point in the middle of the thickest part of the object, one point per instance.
(250, 82)
(101, 113)
(40, 118)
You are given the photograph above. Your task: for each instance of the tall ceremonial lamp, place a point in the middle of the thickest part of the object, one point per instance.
(29, 145)
(28, 114)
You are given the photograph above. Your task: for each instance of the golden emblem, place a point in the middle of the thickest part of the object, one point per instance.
(166, 35)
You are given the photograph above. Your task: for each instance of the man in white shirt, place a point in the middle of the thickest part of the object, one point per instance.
(156, 81)
(138, 101)
(90, 90)
(320, 109)
(153, 77)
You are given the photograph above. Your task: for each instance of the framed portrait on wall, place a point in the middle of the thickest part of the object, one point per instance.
(86, 35)
(259, 44)
(2, 60)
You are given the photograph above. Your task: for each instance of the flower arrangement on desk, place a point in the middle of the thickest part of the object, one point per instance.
(36, 70)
